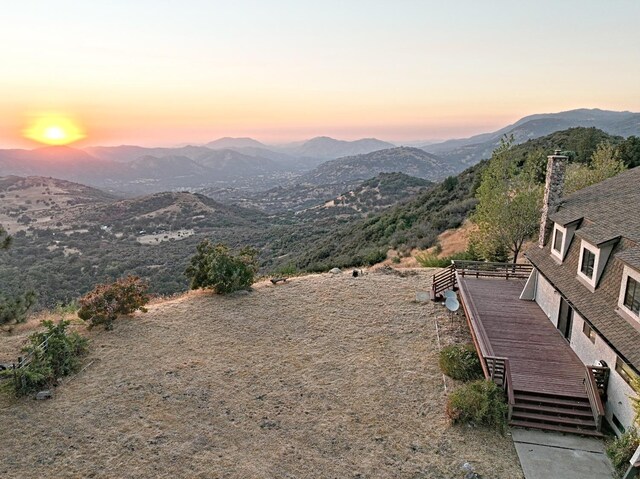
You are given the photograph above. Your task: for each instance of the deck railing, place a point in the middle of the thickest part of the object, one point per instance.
(597, 408)
(443, 280)
(446, 278)
(499, 372)
(493, 270)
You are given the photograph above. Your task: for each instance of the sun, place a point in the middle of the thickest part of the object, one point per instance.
(53, 130)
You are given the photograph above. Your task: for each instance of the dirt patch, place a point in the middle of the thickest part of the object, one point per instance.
(322, 376)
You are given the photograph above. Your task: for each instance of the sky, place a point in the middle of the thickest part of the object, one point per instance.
(155, 72)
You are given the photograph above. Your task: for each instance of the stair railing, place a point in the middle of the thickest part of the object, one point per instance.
(444, 280)
(499, 372)
(597, 408)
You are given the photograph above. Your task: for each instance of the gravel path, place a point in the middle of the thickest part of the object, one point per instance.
(321, 377)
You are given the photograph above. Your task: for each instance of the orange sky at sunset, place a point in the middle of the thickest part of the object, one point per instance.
(157, 74)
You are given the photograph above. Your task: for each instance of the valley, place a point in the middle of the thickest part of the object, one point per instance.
(348, 211)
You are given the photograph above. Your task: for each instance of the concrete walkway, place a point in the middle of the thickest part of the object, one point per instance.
(551, 455)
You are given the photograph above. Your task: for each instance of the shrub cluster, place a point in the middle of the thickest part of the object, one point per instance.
(51, 354)
(621, 449)
(108, 301)
(460, 362)
(217, 267)
(479, 402)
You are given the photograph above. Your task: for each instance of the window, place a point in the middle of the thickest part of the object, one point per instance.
(588, 262)
(625, 371)
(589, 332)
(632, 295)
(557, 241)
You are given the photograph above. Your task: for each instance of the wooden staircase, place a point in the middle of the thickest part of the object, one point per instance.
(554, 412)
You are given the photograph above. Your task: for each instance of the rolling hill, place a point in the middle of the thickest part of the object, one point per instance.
(410, 161)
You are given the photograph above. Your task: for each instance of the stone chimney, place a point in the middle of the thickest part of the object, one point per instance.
(556, 166)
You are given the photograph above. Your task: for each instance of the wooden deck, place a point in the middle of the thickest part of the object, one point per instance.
(503, 325)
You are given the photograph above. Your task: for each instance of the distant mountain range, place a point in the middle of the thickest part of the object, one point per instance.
(469, 151)
(249, 165)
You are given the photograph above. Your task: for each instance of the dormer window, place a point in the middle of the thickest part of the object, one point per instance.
(632, 296)
(629, 299)
(557, 240)
(561, 239)
(588, 263)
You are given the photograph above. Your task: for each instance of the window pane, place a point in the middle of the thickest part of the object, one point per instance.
(557, 240)
(632, 295)
(588, 260)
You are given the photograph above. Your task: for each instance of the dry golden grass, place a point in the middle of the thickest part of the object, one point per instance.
(321, 377)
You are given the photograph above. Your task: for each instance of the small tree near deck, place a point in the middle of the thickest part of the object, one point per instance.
(508, 210)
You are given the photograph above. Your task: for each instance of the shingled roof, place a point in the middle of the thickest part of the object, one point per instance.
(610, 211)
(612, 205)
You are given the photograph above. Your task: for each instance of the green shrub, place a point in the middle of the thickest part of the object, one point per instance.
(479, 402)
(51, 354)
(622, 448)
(218, 268)
(460, 362)
(396, 260)
(288, 269)
(108, 301)
(374, 257)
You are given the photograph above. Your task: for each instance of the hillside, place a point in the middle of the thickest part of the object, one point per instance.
(325, 376)
(40, 201)
(471, 150)
(375, 194)
(410, 161)
(66, 244)
(418, 222)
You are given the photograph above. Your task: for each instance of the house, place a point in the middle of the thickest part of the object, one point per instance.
(561, 334)
(586, 277)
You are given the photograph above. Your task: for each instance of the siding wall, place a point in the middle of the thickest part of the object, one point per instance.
(619, 391)
(548, 299)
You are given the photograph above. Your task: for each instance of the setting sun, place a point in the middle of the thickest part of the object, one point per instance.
(53, 130)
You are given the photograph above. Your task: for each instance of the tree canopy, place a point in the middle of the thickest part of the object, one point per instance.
(604, 163)
(509, 199)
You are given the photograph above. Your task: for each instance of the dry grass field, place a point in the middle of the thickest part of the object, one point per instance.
(321, 377)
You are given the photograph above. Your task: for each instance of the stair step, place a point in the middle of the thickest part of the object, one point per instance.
(554, 410)
(554, 427)
(554, 401)
(554, 419)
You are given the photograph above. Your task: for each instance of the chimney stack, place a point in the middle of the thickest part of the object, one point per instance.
(556, 166)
